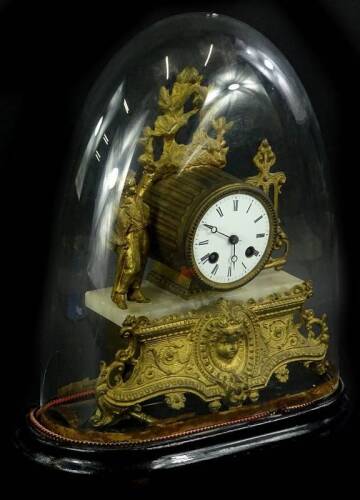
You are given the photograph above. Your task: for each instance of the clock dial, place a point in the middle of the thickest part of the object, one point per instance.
(232, 239)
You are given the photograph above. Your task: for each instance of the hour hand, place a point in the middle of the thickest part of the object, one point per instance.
(214, 229)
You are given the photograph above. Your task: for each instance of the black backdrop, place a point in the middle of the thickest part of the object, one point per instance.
(50, 54)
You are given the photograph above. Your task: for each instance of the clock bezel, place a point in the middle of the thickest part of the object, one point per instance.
(206, 203)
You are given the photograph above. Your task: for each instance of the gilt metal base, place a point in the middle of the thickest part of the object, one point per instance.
(225, 355)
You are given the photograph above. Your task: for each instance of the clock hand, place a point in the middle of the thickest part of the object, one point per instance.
(214, 229)
(234, 256)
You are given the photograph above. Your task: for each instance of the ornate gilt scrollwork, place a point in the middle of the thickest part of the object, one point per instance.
(318, 331)
(271, 183)
(282, 244)
(111, 375)
(311, 321)
(202, 150)
(224, 354)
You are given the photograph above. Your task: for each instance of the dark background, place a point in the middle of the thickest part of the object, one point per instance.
(50, 55)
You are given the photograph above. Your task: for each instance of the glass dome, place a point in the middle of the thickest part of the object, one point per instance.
(194, 276)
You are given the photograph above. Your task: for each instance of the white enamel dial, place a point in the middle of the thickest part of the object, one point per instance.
(231, 239)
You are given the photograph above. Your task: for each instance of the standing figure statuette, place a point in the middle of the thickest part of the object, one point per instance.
(130, 241)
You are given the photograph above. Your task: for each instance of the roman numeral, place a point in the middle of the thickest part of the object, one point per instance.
(257, 220)
(236, 205)
(260, 235)
(220, 212)
(229, 271)
(256, 252)
(205, 242)
(252, 201)
(244, 265)
(214, 271)
(205, 258)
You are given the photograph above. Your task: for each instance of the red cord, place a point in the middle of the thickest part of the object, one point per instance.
(90, 393)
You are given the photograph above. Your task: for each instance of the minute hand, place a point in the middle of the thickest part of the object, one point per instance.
(214, 229)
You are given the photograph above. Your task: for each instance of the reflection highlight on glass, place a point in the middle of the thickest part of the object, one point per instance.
(209, 55)
(126, 106)
(102, 124)
(167, 67)
(97, 128)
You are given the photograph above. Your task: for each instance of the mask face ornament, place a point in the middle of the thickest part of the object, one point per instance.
(182, 309)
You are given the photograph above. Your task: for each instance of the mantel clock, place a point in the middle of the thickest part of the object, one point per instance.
(178, 315)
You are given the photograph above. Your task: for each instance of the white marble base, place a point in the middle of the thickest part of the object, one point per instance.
(163, 302)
